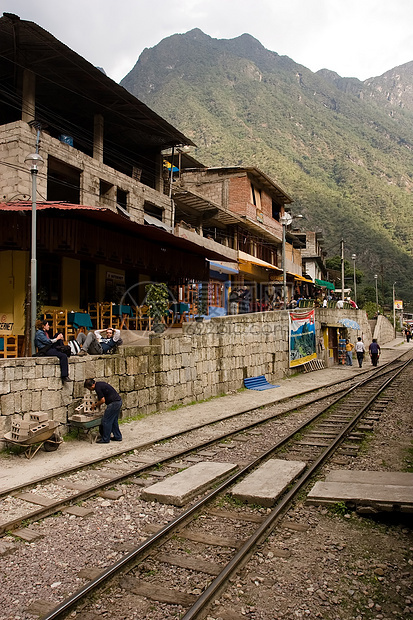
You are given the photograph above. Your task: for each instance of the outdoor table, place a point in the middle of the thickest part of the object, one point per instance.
(80, 319)
(120, 310)
(179, 310)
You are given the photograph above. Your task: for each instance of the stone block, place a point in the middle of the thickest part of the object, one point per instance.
(38, 384)
(50, 400)
(126, 383)
(4, 387)
(20, 385)
(149, 380)
(9, 373)
(8, 404)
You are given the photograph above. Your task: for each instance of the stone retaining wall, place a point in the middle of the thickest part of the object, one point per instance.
(201, 360)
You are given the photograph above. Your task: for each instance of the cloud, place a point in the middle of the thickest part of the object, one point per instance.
(354, 38)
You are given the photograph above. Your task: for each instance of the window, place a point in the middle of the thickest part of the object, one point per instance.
(216, 294)
(63, 181)
(154, 211)
(106, 193)
(122, 198)
(255, 196)
(276, 211)
(49, 281)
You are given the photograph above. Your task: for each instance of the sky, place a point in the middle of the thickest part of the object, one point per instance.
(355, 38)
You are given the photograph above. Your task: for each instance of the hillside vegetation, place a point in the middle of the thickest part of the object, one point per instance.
(341, 148)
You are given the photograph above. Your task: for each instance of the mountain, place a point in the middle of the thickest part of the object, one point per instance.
(340, 147)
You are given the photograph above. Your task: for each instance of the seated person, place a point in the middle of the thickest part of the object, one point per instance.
(51, 347)
(97, 344)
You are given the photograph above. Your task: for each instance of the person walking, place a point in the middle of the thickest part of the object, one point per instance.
(110, 422)
(374, 351)
(349, 353)
(360, 350)
(408, 333)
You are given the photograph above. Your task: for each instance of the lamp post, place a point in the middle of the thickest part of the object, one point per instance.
(394, 310)
(377, 295)
(286, 220)
(353, 258)
(35, 161)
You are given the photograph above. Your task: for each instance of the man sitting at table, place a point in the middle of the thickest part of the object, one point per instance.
(95, 343)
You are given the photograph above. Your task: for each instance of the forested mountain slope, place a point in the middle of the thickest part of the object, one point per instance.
(341, 148)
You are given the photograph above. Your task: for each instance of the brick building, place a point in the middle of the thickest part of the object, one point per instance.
(101, 188)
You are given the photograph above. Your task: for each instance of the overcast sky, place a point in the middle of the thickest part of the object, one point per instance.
(355, 38)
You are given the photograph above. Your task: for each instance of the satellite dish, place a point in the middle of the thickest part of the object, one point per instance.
(286, 219)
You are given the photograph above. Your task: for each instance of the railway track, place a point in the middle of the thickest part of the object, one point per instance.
(48, 495)
(144, 564)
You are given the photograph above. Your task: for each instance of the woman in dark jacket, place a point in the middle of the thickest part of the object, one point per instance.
(50, 346)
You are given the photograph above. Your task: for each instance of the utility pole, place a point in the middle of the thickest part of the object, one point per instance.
(342, 270)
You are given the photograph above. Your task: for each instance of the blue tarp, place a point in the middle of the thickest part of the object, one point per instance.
(349, 323)
(258, 383)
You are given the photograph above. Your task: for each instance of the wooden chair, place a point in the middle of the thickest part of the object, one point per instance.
(145, 321)
(10, 348)
(60, 323)
(49, 316)
(94, 313)
(107, 318)
(133, 321)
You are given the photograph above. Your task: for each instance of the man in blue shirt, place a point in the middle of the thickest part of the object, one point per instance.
(107, 395)
(374, 351)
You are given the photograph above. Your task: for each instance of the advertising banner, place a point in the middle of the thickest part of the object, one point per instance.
(302, 337)
(398, 304)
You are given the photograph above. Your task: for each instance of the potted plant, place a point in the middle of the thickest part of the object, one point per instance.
(201, 301)
(157, 299)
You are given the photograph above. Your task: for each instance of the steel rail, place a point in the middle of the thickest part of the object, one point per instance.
(63, 608)
(265, 528)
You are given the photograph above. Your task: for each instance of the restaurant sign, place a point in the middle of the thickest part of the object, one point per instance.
(6, 323)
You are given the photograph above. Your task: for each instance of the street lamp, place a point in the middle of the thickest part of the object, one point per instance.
(353, 258)
(286, 220)
(35, 161)
(394, 310)
(377, 296)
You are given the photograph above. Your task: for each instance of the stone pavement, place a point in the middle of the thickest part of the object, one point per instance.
(17, 470)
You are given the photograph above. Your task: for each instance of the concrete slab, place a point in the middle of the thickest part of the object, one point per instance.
(380, 490)
(399, 478)
(267, 483)
(183, 486)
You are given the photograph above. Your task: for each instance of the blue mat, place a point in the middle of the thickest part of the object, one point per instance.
(258, 383)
